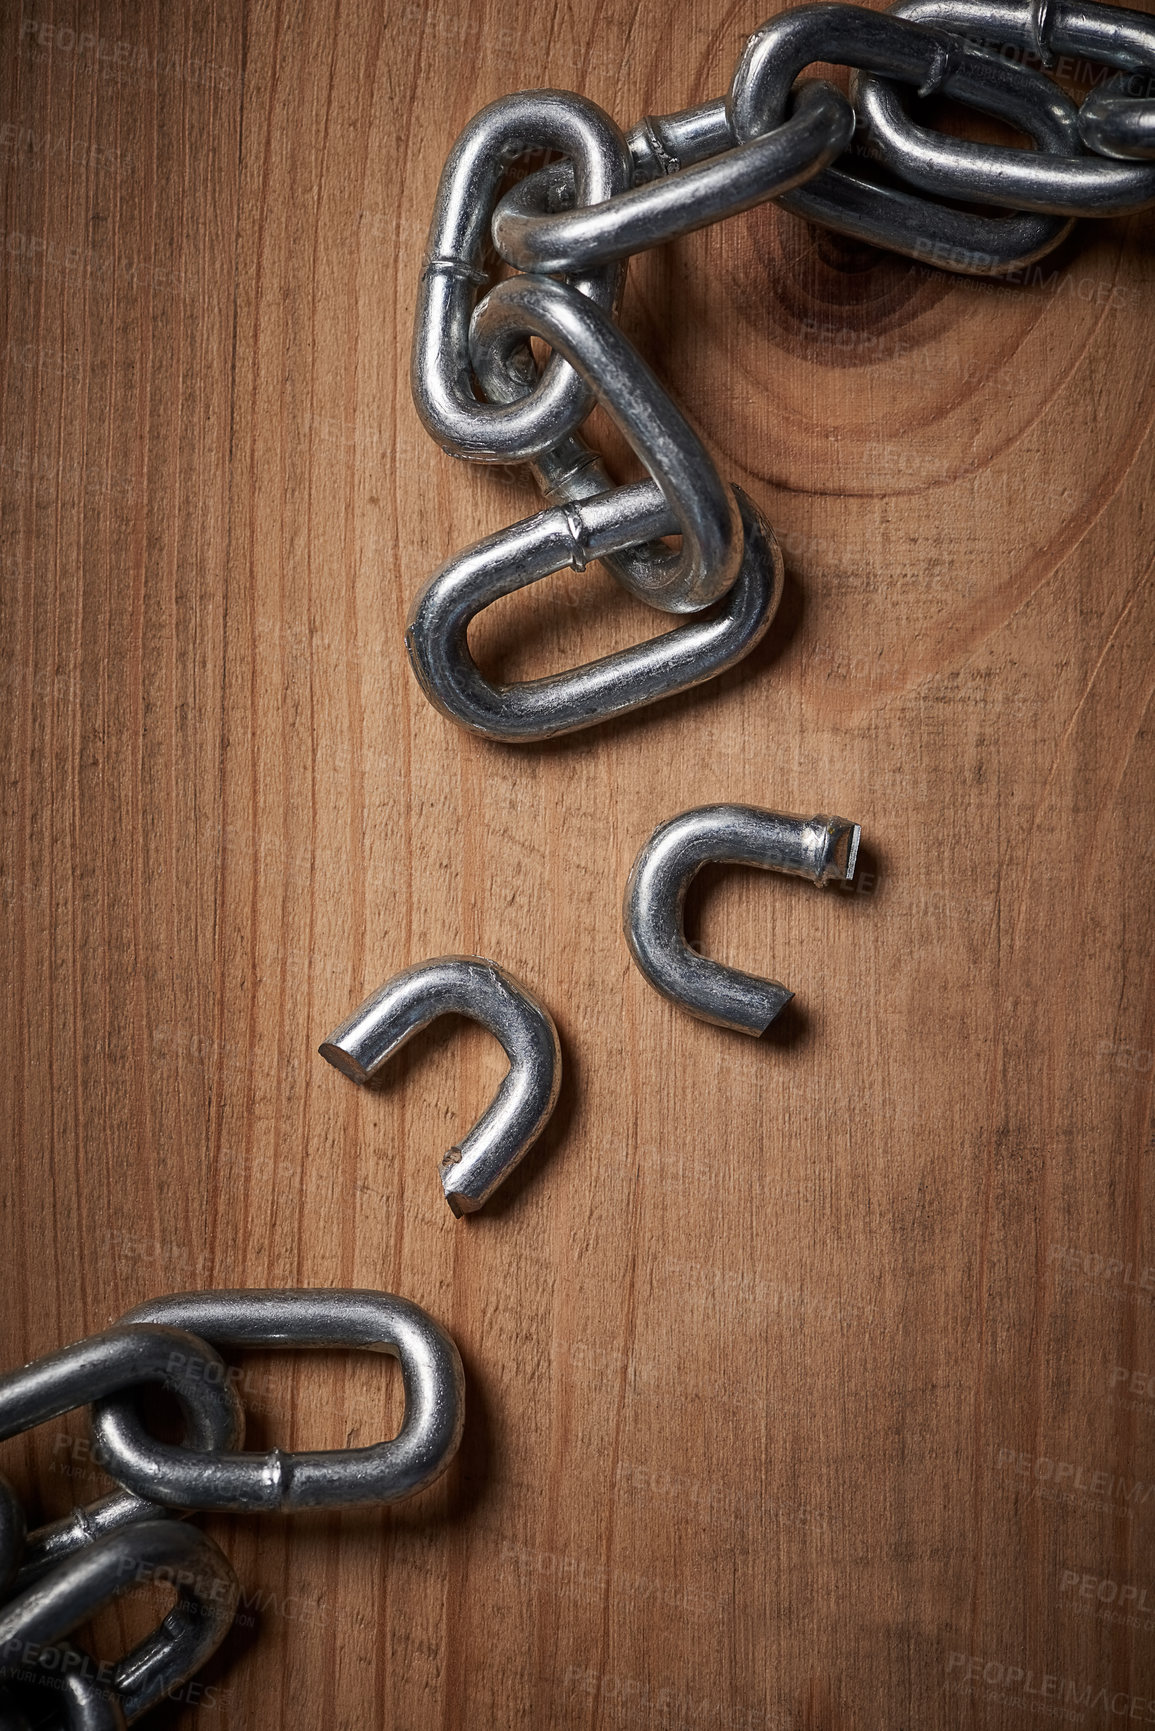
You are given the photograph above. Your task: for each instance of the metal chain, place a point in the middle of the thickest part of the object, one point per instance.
(163, 1551)
(60, 1576)
(580, 218)
(481, 394)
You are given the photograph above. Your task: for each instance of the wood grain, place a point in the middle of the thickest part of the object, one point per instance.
(811, 1380)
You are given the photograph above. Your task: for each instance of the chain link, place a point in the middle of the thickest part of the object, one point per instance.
(869, 169)
(163, 1551)
(62, 1575)
(1073, 184)
(322, 1478)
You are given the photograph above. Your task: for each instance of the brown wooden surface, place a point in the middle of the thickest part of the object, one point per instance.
(808, 1377)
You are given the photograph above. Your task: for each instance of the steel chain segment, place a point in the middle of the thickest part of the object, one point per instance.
(844, 198)
(727, 548)
(704, 510)
(157, 1551)
(570, 471)
(443, 392)
(537, 227)
(479, 391)
(321, 1478)
(50, 1544)
(117, 1360)
(124, 1357)
(541, 224)
(1117, 120)
(1046, 179)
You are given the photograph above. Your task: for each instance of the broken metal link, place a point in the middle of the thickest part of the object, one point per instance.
(823, 849)
(870, 168)
(475, 987)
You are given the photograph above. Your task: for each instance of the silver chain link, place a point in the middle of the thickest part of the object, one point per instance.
(56, 1578)
(868, 168)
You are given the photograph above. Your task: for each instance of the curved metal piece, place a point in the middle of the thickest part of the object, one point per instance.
(164, 1551)
(437, 632)
(50, 1544)
(321, 1478)
(1114, 121)
(631, 393)
(474, 987)
(452, 273)
(12, 1532)
(116, 1359)
(534, 233)
(843, 198)
(64, 1674)
(823, 849)
(88, 1707)
(1118, 125)
(1057, 177)
(120, 1358)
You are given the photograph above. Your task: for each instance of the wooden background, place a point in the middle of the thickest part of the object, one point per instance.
(811, 1380)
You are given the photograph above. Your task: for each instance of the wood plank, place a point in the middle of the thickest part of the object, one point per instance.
(811, 1379)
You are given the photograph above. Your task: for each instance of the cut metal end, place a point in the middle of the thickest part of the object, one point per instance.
(839, 850)
(852, 852)
(459, 1202)
(775, 1000)
(343, 1061)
